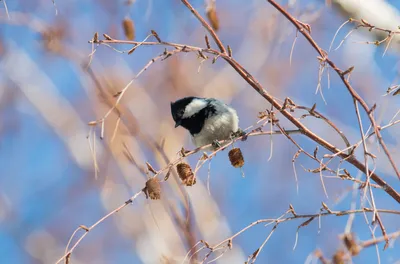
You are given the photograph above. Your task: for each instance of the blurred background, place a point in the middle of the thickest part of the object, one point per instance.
(52, 84)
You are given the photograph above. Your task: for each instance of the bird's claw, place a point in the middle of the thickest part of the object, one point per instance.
(216, 144)
(238, 133)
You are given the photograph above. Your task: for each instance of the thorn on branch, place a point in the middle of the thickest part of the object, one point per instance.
(366, 23)
(326, 208)
(305, 223)
(291, 209)
(167, 55)
(230, 245)
(207, 42)
(132, 50)
(215, 59)
(252, 256)
(315, 152)
(183, 152)
(372, 109)
(349, 70)
(313, 108)
(362, 185)
(167, 175)
(205, 244)
(150, 168)
(117, 94)
(229, 51)
(317, 170)
(201, 55)
(156, 35)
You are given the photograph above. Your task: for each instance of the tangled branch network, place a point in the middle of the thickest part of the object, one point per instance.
(286, 109)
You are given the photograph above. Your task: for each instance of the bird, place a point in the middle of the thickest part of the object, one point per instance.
(208, 120)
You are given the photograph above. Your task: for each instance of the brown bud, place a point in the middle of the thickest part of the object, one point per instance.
(186, 174)
(213, 17)
(236, 157)
(129, 28)
(153, 189)
(96, 37)
(107, 37)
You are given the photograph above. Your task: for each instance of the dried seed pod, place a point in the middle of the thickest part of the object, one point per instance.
(153, 189)
(236, 157)
(52, 38)
(351, 244)
(212, 16)
(186, 174)
(129, 28)
(339, 257)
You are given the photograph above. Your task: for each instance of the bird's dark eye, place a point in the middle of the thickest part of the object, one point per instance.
(181, 112)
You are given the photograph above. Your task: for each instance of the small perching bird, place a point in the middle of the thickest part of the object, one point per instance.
(207, 119)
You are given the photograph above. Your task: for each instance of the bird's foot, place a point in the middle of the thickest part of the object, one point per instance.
(238, 133)
(216, 144)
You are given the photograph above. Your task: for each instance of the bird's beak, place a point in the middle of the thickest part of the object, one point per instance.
(177, 123)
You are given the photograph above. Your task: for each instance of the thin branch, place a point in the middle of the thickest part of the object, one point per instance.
(310, 217)
(88, 229)
(350, 89)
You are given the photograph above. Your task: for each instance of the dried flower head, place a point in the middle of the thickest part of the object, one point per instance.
(52, 38)
(186, 174)
(212, 16)
(153, 189)
(351, 244)
(129, 28)
(339, 257)
(236, 157)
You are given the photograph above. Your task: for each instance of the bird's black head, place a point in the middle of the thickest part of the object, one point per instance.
(190, 113)
(178, 109)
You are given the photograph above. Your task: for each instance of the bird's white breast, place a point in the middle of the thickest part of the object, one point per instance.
(217, 128)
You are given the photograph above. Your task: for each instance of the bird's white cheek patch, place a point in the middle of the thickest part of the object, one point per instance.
(194, 107)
